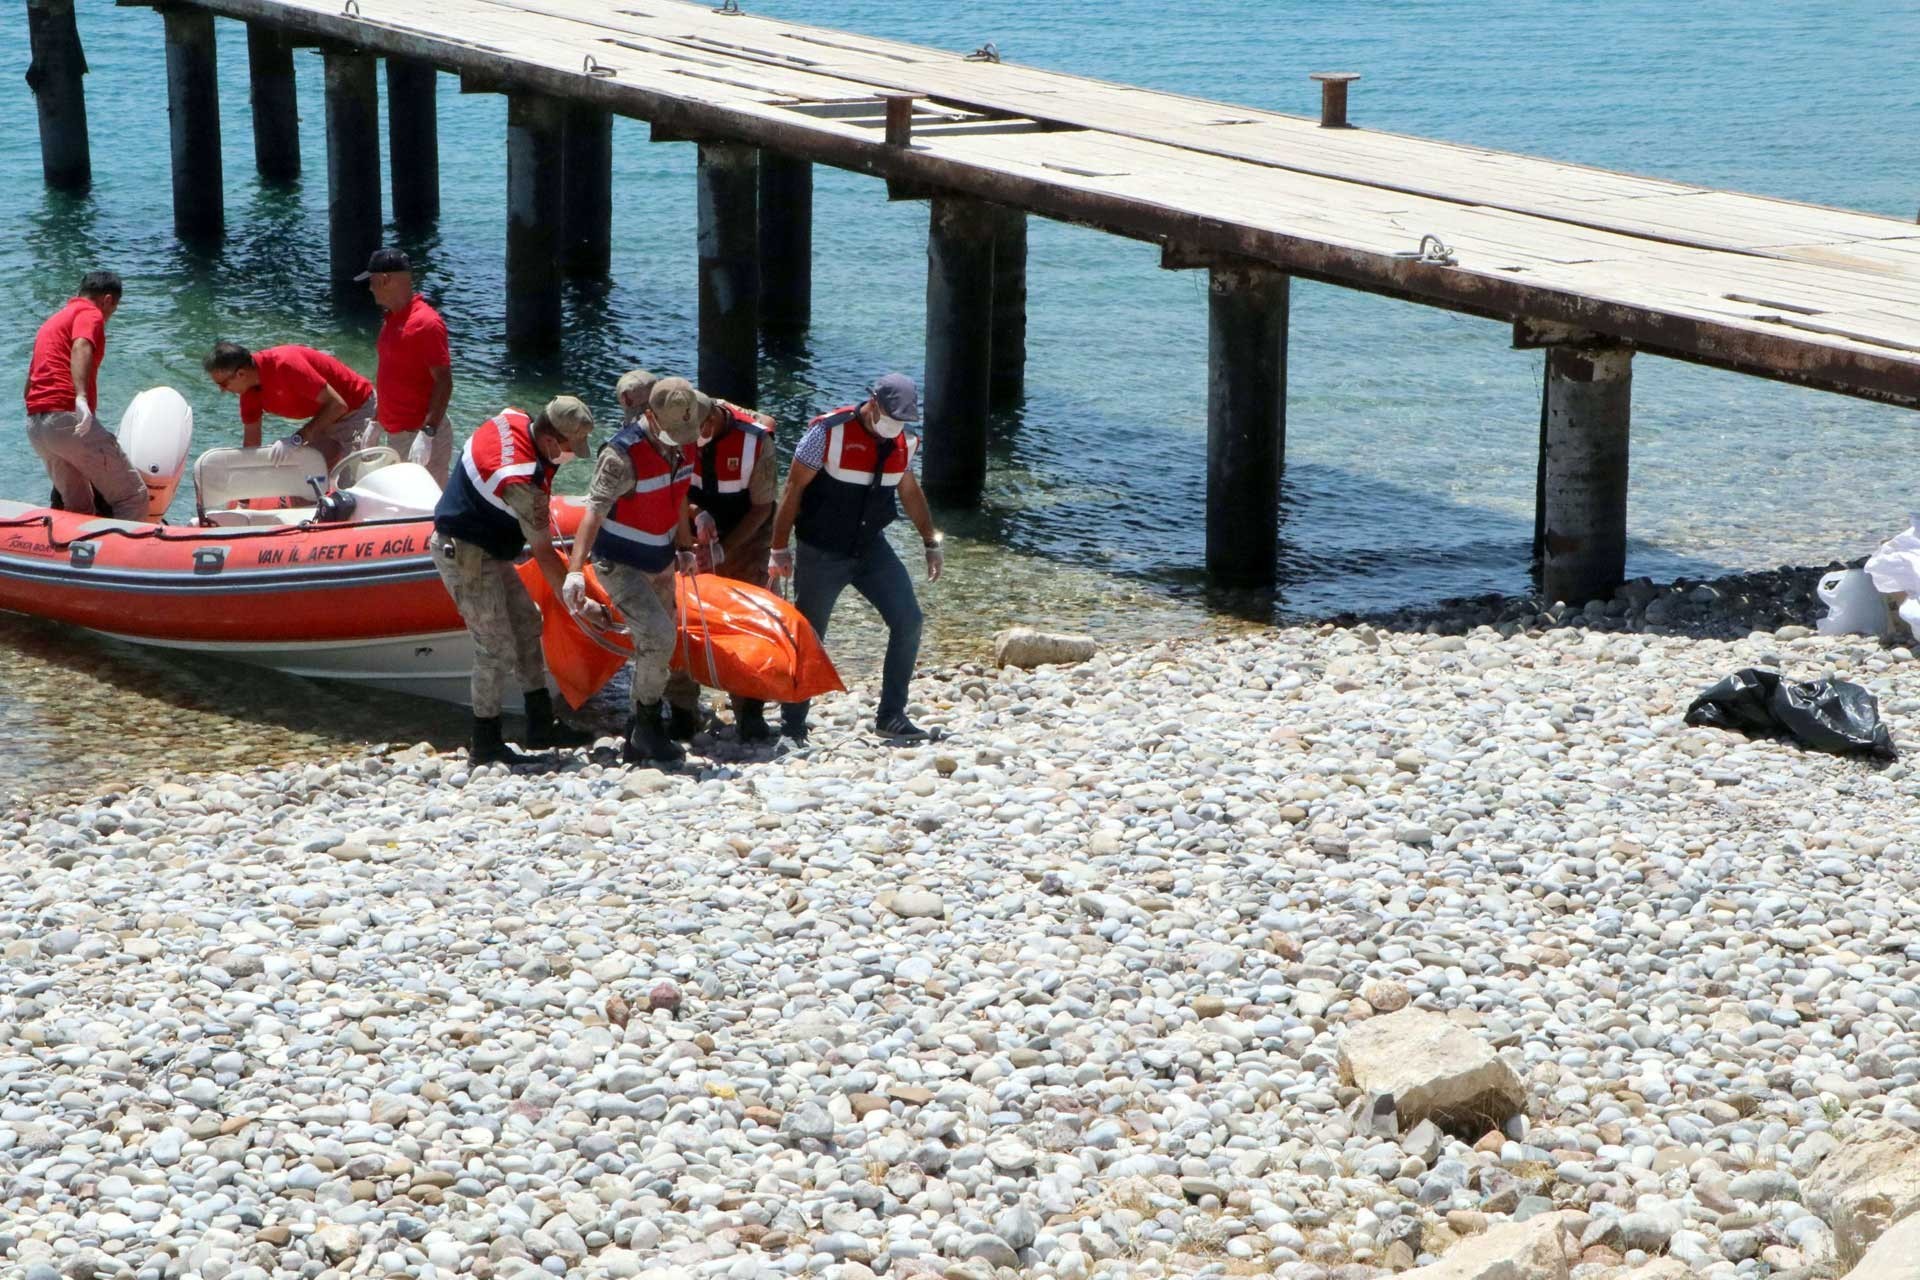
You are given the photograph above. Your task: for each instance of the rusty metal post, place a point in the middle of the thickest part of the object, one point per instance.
(1009, 377)
(353, 170)
(899, 119)
(54, 75)
(276, 104)
(413, 140)
(536, 125)
(729, 209)
(786, 243)
(1333, 97)
(1589, 410)
(193, 114)
(960, 234)
(586, 248)
(1247, 313)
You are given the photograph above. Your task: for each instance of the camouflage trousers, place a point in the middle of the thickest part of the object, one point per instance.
(501, 617)
(646, 603)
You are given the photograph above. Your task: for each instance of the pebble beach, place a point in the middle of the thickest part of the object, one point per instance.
(1102, 984)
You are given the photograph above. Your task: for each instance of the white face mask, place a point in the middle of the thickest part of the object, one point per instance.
(887, 428)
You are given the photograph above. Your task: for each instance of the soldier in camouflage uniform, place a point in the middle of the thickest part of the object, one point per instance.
(637, 531)
(495, 505)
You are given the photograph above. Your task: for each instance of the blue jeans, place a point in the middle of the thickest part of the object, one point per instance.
(819, 576)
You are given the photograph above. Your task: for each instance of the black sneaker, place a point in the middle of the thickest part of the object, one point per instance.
(900, 729)
(683, 723)
(750, 723)
(647, 743)
(794, 731)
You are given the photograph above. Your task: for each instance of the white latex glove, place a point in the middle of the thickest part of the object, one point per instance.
(573, 592)
(704, 528)
(420, 452)
(780, 562)
(936, 561)
(283, 450)
(686, 562)
(81, 407)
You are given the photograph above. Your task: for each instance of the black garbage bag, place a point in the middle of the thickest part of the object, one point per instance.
(1824, 715)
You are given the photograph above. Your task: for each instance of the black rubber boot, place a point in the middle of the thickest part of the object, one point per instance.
(648, 743)
(488, 747)
(750, 721)
(683, 723)
(545, 730)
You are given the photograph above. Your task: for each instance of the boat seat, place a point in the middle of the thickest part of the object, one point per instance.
(224, 476)
(244, 519)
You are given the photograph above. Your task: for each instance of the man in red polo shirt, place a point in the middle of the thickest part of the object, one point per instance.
(62, 390)
(415, 375)
(295, 382)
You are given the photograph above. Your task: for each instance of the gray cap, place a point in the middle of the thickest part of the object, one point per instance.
(896, 396)
(570, 416)
(678, 409)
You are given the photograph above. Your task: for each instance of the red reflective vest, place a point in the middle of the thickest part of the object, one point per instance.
(852, 499)
(639, 530)
(723, 468)
(500, 454)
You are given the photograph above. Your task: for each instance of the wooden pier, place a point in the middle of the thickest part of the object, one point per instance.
(1590, 266)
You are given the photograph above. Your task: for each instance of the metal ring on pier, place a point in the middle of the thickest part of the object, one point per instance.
(592, 66)
(729, 6)
(351, 9)
(988, 52)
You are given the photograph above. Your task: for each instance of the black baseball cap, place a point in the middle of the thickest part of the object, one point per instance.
(386, 260)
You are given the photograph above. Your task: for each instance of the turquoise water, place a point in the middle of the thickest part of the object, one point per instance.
(1411, 432)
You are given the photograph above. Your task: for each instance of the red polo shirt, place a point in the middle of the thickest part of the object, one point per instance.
(413, 343)
(291, 379)
(50, 376)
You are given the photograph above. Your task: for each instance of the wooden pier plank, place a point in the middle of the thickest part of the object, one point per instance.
(1775, 287)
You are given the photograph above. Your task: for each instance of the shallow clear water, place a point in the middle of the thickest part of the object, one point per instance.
(1411, 432)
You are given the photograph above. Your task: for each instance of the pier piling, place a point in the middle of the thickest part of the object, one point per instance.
(729, 212)
(413, 140)
(1333, 97)
(1247, 311)
(587, 207)
(54, 75)
(1589, 409)
(1008, 381)
(275, 99)
(536, 127)
(353, 170)
(786, 244)
(960, 315)
(193, 113)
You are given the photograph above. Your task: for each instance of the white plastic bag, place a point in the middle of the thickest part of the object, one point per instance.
(1854, 605)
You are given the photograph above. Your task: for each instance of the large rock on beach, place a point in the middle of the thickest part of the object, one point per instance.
(1434, 1069)
(1532, 1250)
(1868, 1183)
(1894, 1256)
(1025, 647)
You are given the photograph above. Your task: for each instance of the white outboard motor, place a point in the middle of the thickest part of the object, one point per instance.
(399, 489)
(155, 433)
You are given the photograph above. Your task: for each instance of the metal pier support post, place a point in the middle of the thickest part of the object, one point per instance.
(587, 208)
(786, 243)
(193, 111)
(276, 103)
(353, 169)
(960, 236)
(413, 140)
(729, 271)
(536, 126)
(1009, 377)
(1247, 309)
(1584, 494)
(54, 75)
